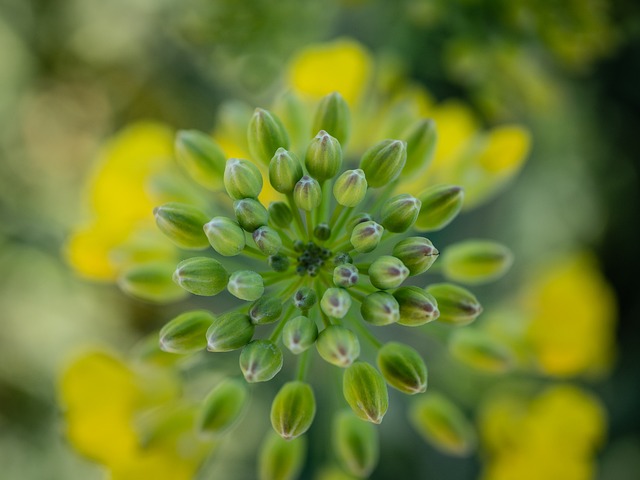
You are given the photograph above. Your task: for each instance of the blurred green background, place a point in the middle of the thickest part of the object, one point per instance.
(73, 72)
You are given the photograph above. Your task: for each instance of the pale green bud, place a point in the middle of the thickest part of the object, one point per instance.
(279, 263)
(322, 232)
(440, 205)
(281, 459)
(242, 179)
(421, 144)
(307, 193)
(457, 305)
(246, 285)
(345, 275)
(384, 162)
(284, 171)
(182, 224)
(267, 240)
(417, 307)
(480, 350)
(305, 298)
(266, 134)
(417, 254)
(335, 302)
(355, 444)
(250, 214)
(333, 116)
(476, 261)
(200, 157)
(223, 407)
(299, 334)
(442, 424)
(324, 156)
(201, 276)
(365, 391)
(366, 236)
(152, 282)
(380, 308)
(403, 368)
(266, 310)
(342, 258)
(350, 188)
(230, 331)
(357, 220)
(186, 333)
(260, 361)
(338, 345)
(387, 272)
(280, 214)
(225, 236)
(293, 410)
(399, 213)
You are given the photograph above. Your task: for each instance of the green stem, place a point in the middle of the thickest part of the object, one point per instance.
(275, 335)
(303, 365)
(386, 193)
(296, 215)
(337, 213)
(273, 280)
(309, 225)
(326, 200)
(366, 333)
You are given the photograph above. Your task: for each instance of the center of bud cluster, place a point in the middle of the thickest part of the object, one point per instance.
(311, 259)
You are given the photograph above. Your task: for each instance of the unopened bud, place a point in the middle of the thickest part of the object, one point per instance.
(335, 302)
(242, 179)
(400, 213)
(421, 144)
(260, 361)
(324, 156)
(440, 205)
(480, 350)
(305, 298)
(387, 272)
(201, 276)
(380, 308)
(280, 214)
(246, 285)
(186, 333)
(322, 232)
(225, 236)
(366, 236)
(293, 409)
(417, 307)
(476, 261)
(384, 162)
(182, 224)
(152, 282)
(299, 334)
(250, 214)
(345, 275)
(350, 188)
(338, 346)
(279, 263)
(365, 391)
(281, 459)
(200, 157)
(307, 193)
(267, 240)
(417, 254)
(356, 444)
(284, 171)
(457, 305)
(230, 331)
(403, 368)
(266, 310)
(342, 258)
(357, 220)
(332, 116)
(265, 135)
(223, 407)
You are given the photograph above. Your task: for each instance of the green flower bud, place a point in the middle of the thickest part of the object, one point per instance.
(151, 282)
(293, 410)
(442, 424)
(200, 157)
(387, 272)
(250, 214)
(345, 275)
(260, 361)
(280, 214)
(242, 179)
(365, 391)
(182, 224)
(266, 310)
(279, 263)
(299, 334)
(342, 258)
(281, 459)
(417, 254)
(366, 236)
(357, 220)
(267, 240)
(480, 350)
(335, 302)
(322, 232)
(229, 332)
(476, 261)
(223, 407)
(417, 307)
(305, 298)
(403, 368)
(324, 156)
(266, 134)
(400, 213)
(225, 236)
(307, 193)
(246, 285)
(456, 304)
(338, 346)
(380, 308)
(421, 145)
(333, 116)
(284, 171)
(384, 162)
(350, 188)
(201, 276)
(186, 333)
(355, 444)
(440, 205)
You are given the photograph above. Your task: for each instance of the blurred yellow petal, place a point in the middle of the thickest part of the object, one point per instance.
(505, 151)
(456, 126)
